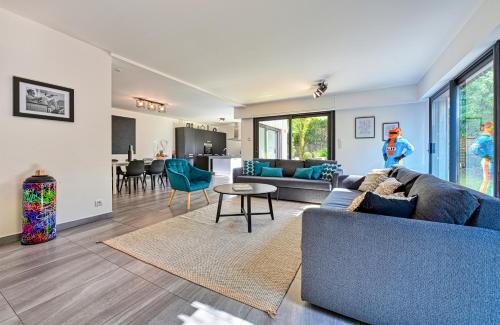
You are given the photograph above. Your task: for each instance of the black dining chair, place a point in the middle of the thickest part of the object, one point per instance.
(135, 172)
(155, 170)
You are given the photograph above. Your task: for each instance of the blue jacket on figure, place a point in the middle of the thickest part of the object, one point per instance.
(396, 148)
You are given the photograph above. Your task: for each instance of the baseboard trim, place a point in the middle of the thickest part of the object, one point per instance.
(17, 237)
(79, 222)
(10, 239)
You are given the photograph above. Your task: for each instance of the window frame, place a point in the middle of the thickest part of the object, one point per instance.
(331, 130)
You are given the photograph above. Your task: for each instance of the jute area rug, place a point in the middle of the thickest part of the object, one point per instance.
(254, 268)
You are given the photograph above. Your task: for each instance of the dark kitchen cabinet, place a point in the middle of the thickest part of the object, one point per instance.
(191, 141)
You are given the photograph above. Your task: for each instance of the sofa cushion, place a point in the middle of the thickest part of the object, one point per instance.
(486, 215)
(289, 166)
(272, 162)
(353, 182)
(442, 201)
(271, 172)
(389, 186)
(303, 173)
(340, 198)
(290, 182)
(318, 162)
(405, 176)
(248, 168)
(372, 180)
(258, 165)
(316, 171)
(394, 206)
(327, 171)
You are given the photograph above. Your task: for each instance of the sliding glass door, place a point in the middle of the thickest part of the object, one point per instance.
(440, 135)
(476, 130)
(304, 136)
(273, 139)
(463, 119)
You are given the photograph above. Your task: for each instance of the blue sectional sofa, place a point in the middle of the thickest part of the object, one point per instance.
(390, 270)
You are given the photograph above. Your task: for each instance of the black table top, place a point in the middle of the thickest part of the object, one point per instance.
(257, 188)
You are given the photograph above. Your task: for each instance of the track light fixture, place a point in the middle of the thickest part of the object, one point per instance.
(322, 86)
(150, 105)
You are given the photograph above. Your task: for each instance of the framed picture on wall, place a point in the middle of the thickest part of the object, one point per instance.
(386, 126)
(42, 100)
(364, 127)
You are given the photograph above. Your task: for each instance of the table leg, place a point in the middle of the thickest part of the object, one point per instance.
(242, 203)
(219, 207)
(249, 212)
(113, 177)
(270, 205)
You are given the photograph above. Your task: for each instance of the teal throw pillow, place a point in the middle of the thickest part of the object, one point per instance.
(271, 172)
(248, 168)
(316, 172)
(304, 173)
(259, 165)
(327, 171)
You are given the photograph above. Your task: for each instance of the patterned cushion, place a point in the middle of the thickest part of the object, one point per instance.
(248, 168)
(372, 180)
(389, 186)
(356, 202)
(327, 171)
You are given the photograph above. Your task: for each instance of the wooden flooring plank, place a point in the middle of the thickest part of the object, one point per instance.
(6, 312)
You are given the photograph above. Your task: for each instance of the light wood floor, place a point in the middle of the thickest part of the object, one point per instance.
(75, 280)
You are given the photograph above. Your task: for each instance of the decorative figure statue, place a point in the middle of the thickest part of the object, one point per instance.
(396, 148)
(484, 148)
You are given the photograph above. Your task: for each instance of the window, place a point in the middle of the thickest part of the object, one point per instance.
(462, 125)
(440, 135)
(273, 139)
(310, 137)
(304, 136)
(476, 126)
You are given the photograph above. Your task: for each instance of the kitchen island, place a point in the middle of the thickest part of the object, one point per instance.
(223, 165)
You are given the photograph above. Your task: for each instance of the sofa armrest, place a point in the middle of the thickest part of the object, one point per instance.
(237, 172)
(352, 182)
(390, 270)
(335, 179)
(200, 174)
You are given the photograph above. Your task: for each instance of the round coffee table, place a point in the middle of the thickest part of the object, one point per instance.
(257, 188)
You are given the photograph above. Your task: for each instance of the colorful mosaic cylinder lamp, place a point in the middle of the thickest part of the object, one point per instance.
(39, 209)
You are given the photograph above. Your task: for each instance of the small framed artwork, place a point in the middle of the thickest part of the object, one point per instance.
(364, 127)
(386, 126)
(42, 100)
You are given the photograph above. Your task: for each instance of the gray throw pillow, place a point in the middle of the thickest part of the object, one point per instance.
(442, 201)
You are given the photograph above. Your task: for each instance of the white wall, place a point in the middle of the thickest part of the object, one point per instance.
(479, 33)
(358, 156)
(150, 129)
(76, 154)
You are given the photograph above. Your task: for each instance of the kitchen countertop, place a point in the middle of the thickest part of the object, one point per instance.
(224, 157)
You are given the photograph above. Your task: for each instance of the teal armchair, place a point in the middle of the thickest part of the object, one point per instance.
(186, 178)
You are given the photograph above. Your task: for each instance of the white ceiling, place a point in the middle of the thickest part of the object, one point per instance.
(259, 50)
(184, 102)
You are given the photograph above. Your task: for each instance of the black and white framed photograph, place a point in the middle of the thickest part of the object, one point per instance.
(386, 126)
(42, 100)
(364, 127)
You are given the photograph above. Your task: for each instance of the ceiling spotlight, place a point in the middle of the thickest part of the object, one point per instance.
(322, 86)
(139, 102)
